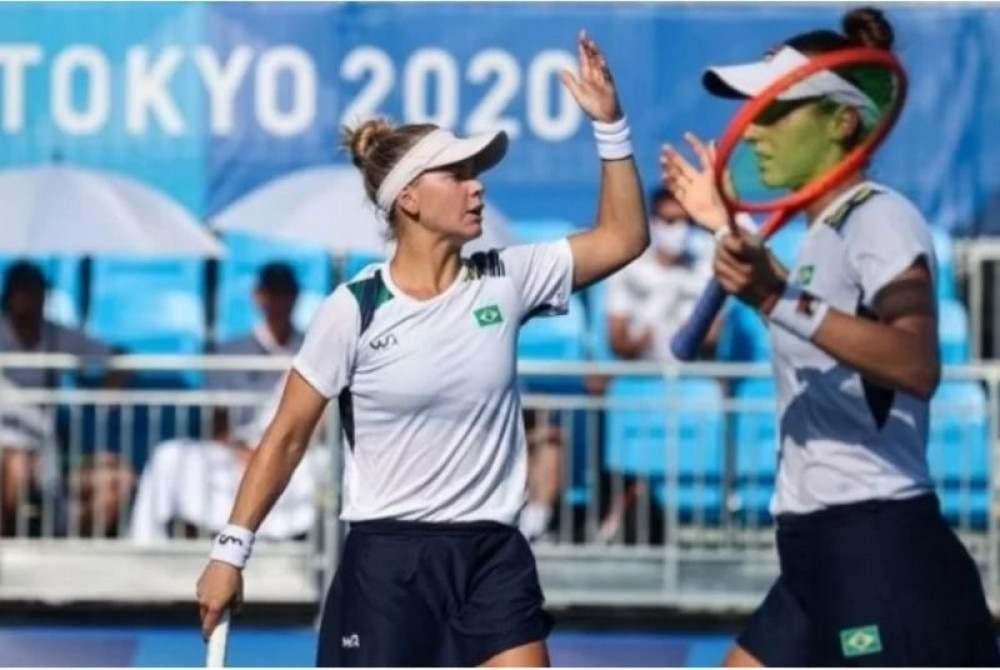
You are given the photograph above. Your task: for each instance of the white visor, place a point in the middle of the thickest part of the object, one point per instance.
(750, 79)
(437, 149)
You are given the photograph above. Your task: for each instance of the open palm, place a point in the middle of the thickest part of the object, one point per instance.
(694, 187)
(594, 89)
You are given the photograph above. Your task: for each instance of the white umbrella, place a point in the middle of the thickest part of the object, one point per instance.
(327, 207)
(57, 209)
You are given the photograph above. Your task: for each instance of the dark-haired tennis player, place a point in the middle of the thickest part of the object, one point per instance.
(871, 574)
(420, 353)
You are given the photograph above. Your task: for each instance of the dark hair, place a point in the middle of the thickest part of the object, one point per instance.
(863, 27)
(22, 275)
(278, 277)
(376, 146)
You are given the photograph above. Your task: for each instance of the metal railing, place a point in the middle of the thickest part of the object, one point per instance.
(657, 478)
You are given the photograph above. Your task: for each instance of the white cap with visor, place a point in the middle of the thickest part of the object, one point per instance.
(748, 80)
(437, 149)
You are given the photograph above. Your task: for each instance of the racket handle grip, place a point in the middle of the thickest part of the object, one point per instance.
(687, 341)
(218, 643)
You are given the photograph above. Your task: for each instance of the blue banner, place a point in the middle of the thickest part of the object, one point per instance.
(206, 102)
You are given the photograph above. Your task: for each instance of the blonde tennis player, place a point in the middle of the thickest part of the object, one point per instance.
(419, 353)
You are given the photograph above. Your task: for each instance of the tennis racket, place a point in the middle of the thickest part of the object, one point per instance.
(218, 643)
(687, 341)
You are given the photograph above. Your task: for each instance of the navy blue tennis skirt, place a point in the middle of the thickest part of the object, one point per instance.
(883, 583)
(422, 594)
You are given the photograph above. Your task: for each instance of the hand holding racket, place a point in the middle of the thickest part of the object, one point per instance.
(218, 643)
(742, 264)
(220, 591)
(691, 186)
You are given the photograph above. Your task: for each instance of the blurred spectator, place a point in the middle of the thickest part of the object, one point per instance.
(194, 481)
(649, 299)
(647, 302)
(26, 439)
(275, 295)
(28, 447)
(24, 329)
(545, 449)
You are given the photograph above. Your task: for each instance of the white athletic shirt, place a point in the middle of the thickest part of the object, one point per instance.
(844, 439)
(427, 388)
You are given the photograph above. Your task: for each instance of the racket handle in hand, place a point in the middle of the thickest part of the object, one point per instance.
(218, 643)
(687, 341)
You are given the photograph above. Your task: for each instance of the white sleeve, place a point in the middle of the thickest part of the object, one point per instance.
(884, 238)
(326, 358)
(543, 275)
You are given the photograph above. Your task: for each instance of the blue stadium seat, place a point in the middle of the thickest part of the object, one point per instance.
(743, 336)
(238, 270)
(597, 322)
(149, 306)
(636, 443)
(355, 263)
(953, 331)
(555, 338)
(946, 263)
(958, 451)
(786, 242)
(532, 231)
(756, 445)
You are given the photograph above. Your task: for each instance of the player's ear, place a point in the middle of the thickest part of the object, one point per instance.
(409, 201)
(844, 123)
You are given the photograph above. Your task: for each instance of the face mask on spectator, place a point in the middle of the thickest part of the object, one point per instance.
(670, 238)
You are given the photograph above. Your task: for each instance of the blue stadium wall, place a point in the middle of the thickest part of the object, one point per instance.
(208, 101)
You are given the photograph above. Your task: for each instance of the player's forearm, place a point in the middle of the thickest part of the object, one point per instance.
(884, 353)
(620, 210)
(267, 474)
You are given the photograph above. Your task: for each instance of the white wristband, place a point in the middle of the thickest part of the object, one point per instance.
(232, 545)
(613, 139)
(799, 312)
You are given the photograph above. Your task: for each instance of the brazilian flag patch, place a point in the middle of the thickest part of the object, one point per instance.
(488, 316)
(805, 275)
(860, 641)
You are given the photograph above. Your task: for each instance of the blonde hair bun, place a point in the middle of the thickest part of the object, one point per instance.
(362, 139)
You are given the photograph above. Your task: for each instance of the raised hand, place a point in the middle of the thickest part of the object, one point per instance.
(594, 90)
(694, 187)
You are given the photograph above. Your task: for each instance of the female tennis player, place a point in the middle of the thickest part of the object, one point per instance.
(420, 354)
(871, 574)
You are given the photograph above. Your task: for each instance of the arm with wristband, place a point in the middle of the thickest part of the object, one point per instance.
(896, 348)
(281, 449)
(621, 232)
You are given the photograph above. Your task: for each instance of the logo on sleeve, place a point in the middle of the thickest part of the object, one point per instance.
(860, 641)
(488, 316)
